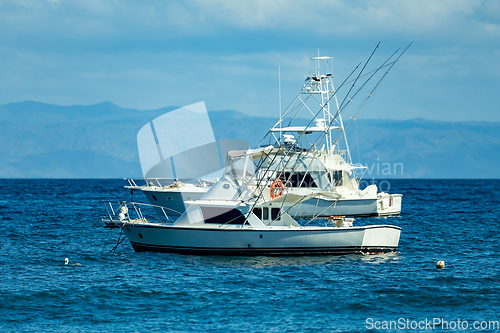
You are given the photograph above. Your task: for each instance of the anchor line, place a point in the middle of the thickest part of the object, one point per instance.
(118, 242)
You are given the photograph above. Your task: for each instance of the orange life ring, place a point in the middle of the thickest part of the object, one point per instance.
(277, 188)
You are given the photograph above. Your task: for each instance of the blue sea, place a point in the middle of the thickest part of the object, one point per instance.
(44, 221)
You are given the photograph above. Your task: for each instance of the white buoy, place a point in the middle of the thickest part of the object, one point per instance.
(66, 262)
(440, 264)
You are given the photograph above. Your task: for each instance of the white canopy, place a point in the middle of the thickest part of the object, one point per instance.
(304, 129)
(304, 195)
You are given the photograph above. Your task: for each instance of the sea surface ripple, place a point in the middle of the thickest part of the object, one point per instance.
(44, 221)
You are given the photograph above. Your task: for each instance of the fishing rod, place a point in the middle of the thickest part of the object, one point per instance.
(342, 106)
(346, 101)
(286, 111)
(287, 152)
(303, 132)
(391, 65)
(339, 109)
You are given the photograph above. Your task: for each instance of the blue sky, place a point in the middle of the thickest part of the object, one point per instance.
(152, 54)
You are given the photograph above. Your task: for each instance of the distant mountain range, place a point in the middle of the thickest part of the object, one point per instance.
(99, 141)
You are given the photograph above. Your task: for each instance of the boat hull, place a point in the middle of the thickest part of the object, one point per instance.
(389, 204)
(249, 241)
(325, 208)
(173, 202)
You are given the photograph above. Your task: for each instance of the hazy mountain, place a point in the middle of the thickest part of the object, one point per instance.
(99, 141)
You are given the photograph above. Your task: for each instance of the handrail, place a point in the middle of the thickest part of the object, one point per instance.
(114, 214)
(163, 182)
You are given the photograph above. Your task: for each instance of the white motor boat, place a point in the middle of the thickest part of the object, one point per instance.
(168, 195)
(256, 238)
(318, 158)
(237, 216)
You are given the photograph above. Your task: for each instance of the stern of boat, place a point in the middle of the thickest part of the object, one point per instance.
(389, 204)
(380, 238)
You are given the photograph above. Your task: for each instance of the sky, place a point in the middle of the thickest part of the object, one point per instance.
(152, 54)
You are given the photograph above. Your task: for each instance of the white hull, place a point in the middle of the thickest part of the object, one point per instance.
(326, 208)
(390, 204)
(237, 240)
(172, 200)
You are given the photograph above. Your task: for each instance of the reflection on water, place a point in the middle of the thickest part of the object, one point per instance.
(288, 261)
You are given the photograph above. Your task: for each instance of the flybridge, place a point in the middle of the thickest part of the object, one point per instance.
(318, 90)
(303, 129)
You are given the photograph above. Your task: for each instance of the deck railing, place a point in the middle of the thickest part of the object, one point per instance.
(123, 212)
(163, 182)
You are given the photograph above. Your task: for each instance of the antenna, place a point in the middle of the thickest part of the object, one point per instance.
(317, 64)
(279, 96)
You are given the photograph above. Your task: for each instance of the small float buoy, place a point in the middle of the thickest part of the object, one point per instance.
(440, 264)
(66, 262)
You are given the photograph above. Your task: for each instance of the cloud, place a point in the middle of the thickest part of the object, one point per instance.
(149, 54)
(167, 20)
(339, 17)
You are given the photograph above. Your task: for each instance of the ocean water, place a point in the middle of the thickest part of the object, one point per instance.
(44, 221)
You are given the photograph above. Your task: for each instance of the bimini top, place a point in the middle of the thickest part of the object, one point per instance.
(303, 129)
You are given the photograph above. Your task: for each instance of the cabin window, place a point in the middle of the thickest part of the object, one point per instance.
(222, 215)
(336, 178)
(154, 197)
(297, 179)
(169, 198)
(265, 213)
(275, 214)
(258, 212)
